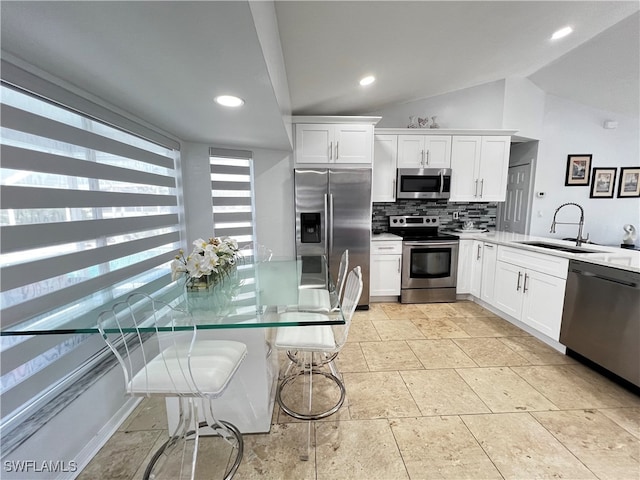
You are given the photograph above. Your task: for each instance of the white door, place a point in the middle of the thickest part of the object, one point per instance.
(543, 302)
(353, 143)
(476, 268)
(489, 260)
(508, 291)
(314, 143)
(494, 163)
(385, 150)
(384, 276)
(465, 158)
(411, 151)
(465, 264)
(437, 151)
(514, 211)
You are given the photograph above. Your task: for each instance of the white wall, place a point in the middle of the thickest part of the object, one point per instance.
(523, 108)
(475, 107)
(273, 172)
(275, 209)
(573, 128)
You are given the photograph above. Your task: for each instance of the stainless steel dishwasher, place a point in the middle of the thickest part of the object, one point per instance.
(601, 317)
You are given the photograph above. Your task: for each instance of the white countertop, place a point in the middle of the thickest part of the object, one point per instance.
(607, 256)
(379, 237)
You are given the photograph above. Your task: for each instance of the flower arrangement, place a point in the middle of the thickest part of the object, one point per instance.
(210, 258)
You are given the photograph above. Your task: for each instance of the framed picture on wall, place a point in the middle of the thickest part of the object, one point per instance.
(578, 170)
(603, 182)
(629, 184)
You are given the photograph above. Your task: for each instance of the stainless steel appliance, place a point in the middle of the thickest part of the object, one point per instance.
(600, 319)
(423, 183)
(333, 213)
(429, 259)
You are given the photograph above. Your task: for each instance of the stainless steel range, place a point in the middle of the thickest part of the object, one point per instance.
(429, 259)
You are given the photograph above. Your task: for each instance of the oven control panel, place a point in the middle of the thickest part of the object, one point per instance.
(414, 221)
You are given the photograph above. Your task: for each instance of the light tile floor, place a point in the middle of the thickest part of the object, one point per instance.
(433, 391)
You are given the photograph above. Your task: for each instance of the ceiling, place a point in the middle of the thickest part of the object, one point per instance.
(165, 61)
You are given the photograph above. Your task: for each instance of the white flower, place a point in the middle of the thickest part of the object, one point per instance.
(208, 257)
(177, 269)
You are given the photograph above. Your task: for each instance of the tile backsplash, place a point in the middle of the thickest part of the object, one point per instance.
(482, 214)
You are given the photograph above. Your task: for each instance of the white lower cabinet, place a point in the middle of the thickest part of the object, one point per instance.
(487, 282)
(477, 255)
(533, 297)
(465, 265)
(470, 257)
(385, 268)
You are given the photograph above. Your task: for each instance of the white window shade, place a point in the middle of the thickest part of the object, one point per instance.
(88, 213)
(232, 195)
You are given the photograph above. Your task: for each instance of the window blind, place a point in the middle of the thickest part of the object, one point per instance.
(232, 194)
(88, 214)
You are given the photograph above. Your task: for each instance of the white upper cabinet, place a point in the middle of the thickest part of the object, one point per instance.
(385, 151)
(424, 151)
(479, 168)
(323, 143)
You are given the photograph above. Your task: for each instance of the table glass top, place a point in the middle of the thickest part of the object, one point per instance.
(251, 295)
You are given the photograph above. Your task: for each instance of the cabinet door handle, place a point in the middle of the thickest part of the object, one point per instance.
(337, 151)
(481, 187)
(475, 191)
(399, 263)
(478, 255)
(422, 158)
(526, 280)
(519, 278)
(427, 157)
(330, 150)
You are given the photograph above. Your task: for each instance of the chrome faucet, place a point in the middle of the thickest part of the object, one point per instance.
(580, 224)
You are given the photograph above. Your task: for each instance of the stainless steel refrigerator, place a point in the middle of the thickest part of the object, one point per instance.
(333, 213)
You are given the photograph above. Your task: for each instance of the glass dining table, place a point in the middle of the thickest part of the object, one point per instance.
(244, 305)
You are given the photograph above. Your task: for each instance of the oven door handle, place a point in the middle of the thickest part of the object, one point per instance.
(430, 244)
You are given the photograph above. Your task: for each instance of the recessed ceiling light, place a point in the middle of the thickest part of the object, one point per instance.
(229, 101)
(368, 80)
(563, 32)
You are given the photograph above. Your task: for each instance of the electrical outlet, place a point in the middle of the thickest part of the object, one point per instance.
(456, 215)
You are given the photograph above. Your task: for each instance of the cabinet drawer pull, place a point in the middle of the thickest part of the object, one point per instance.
(526, 280)
(385, 248)
(519, 278)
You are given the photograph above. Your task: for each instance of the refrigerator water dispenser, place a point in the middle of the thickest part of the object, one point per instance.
(310, 223)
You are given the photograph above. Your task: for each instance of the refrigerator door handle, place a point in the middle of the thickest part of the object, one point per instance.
(330, 229)
(326, 219)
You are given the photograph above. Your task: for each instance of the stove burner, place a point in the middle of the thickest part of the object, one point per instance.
(418, 228)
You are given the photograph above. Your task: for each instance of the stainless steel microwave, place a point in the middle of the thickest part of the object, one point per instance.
(423, 183)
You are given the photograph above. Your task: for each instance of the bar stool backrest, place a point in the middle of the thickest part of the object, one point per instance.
(352, 292)
(158, 360)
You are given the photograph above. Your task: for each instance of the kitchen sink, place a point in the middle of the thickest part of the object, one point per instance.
(563, 248)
